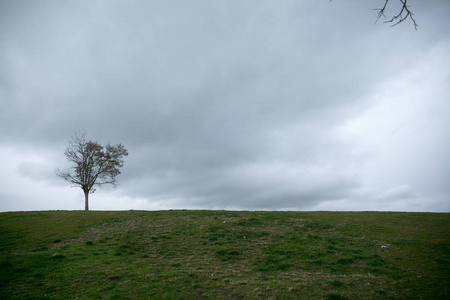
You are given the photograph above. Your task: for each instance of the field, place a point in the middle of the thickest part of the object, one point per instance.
(224, 255)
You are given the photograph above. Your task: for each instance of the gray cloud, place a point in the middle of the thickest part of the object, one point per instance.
(255, 105)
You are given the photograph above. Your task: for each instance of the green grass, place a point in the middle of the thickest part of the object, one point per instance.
(224, 255)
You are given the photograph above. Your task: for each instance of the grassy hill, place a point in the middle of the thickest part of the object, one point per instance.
(224, 255)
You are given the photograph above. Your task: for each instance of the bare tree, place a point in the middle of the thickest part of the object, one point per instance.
(92, 164)
(404, 14)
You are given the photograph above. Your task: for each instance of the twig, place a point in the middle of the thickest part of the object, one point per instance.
(400, 17)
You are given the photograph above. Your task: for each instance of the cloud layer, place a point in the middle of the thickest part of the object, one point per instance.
(296, 105)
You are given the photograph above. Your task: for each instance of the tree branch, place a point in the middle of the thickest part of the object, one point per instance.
(404, 14)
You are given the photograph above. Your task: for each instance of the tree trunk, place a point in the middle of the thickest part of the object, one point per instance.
(86, 200)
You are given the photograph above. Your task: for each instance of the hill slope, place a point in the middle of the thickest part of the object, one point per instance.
(224, 255)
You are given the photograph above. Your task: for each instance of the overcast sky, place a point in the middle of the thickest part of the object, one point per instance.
(243, 105)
